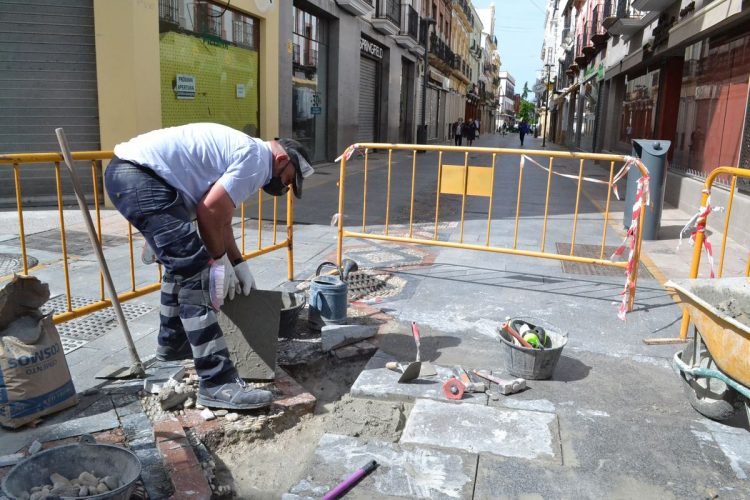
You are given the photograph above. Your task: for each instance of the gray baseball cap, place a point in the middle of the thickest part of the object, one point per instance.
(300, 158)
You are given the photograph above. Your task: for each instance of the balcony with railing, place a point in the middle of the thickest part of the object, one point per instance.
(464, 11)
(601, 11)
(652, 5)
(387, 17)
(409, 34)
(581, 59)
(626, 21)
(440, 53)
(169, 12)
(357, 7)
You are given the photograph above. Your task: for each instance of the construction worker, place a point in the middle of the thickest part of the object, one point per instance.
(163, 180)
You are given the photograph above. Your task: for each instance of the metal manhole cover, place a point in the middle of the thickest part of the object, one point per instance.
(367, 284)
(594, 252)
(13, 263)
(94, 325)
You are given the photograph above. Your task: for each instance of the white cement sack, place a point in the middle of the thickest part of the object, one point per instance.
(34, 375)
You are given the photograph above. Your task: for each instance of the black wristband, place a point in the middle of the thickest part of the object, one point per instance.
(238, 260)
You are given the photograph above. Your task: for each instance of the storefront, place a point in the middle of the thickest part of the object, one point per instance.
(639, 107)
(209, 66)
(309, 82)
(370, 68)
(711, 120)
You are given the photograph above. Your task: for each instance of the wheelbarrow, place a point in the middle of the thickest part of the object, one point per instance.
(715, 366)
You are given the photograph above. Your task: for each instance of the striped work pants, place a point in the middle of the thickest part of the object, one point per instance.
(159, 212)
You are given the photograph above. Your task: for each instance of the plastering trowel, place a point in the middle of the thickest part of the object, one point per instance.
(415, 369)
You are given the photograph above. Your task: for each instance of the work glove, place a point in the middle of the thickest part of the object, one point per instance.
(245, 280)
(222, 281)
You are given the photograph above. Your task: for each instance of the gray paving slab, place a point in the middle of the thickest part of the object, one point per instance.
(482, 429)
(250, 324)
(586, 383)
(14, 441)
(378, 382)
(502, 478)
(412, 472)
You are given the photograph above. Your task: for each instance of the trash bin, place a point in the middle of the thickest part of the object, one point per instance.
(653, 154)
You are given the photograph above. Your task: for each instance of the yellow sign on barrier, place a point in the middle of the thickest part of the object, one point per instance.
(454, 180)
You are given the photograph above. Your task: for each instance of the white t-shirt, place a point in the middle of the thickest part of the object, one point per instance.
(191, 158)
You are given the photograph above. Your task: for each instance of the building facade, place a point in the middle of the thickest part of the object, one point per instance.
(506, 95)
(674, 70)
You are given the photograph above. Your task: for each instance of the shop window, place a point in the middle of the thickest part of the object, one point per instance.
(309, 79)
(713, 104)
(639, 107)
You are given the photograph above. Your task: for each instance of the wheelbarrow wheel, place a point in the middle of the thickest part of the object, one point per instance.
(710, 397)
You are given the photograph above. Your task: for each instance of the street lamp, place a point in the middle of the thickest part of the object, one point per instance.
(546, 109)
(422, 130)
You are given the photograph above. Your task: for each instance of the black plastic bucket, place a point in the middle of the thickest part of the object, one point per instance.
(532, 364)
(291, 305)
(71, 460)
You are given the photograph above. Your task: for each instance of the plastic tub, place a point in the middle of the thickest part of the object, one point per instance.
(532, 364)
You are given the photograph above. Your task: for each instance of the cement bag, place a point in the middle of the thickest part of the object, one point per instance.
(34, 375)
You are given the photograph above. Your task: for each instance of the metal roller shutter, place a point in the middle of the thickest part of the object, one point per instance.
(47, 80)
(368, 91)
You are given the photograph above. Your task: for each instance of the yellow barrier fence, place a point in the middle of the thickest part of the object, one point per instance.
(474, 178)
(18, 161)
(700, 225)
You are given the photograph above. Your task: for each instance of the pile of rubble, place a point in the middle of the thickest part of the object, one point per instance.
(85, 485)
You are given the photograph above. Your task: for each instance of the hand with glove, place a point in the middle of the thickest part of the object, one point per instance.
(222, 281)
(245, 280)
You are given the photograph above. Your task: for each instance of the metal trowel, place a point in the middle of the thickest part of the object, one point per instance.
(417, 368)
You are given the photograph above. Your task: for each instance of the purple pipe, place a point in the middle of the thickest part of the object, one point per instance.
(350, 481)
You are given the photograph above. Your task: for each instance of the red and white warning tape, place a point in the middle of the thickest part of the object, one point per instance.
(348, 152)
(642, 199)
(697, 224)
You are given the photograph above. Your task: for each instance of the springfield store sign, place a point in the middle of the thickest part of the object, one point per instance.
(370, 48)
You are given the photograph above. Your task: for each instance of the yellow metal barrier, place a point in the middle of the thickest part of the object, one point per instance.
(94, 157)
(468, 180)
(701, 222)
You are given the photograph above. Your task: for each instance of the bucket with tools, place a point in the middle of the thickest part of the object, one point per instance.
(530, 347)
(328, 297)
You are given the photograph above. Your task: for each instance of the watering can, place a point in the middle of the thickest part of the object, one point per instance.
(328, 295)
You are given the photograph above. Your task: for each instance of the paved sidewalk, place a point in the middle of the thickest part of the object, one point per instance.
(613, 421)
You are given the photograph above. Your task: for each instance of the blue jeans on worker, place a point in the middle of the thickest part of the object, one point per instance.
(159, 212)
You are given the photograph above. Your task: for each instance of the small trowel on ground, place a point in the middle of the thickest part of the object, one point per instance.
(417, 368)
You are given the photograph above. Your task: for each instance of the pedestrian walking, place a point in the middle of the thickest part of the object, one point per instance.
(458, 126)
(470, 132)
(523, 129)
(163, 180)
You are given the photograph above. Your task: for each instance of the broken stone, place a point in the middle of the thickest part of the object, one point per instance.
(11, 459)
(111, 481)
(207, 414)
(83, 491)
(88, 479)
(169, 398)
(189, 403)
(101, 488)
(232, 417)
(334, 336)
(35, 447)
(161, 376)
(221, 413)
(58, 479)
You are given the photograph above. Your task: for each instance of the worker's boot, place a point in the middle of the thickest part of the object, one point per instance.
(236, 395)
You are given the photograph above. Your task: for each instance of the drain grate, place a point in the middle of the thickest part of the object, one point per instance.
(13, 263)
(594, 252)
(77, 242)
(368, 284)
(94, 325)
